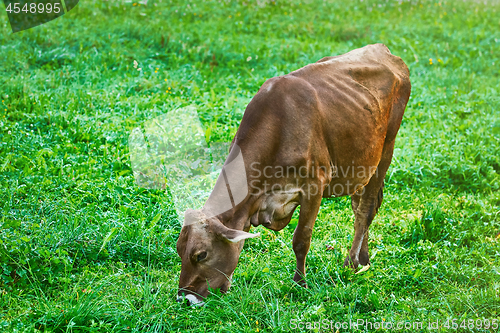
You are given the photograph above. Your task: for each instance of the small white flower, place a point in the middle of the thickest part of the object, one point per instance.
(249, 58)
(9, 132)
(136, 64)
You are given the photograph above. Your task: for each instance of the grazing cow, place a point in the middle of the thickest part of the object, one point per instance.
(327, 129)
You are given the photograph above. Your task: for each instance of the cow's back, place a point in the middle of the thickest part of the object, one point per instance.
(375, 78)
(339, 111)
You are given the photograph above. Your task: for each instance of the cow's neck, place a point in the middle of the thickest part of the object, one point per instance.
(237, 217)
(272, 209)
(231, 184)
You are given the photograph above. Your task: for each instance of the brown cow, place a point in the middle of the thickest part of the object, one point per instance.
(327, 129)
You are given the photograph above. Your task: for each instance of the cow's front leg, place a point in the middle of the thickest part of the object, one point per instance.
(302, 236)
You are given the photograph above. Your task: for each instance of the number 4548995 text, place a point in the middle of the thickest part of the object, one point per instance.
(33, 8)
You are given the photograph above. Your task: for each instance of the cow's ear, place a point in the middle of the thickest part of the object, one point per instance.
(233, 235)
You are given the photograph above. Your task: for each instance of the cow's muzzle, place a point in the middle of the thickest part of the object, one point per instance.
(190, 299)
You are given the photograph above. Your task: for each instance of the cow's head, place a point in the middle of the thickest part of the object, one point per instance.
(209, 252)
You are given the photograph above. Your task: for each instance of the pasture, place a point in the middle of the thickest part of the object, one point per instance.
(84, 249)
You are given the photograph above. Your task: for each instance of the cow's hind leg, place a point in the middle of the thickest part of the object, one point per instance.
(365, 206)
(309, 208)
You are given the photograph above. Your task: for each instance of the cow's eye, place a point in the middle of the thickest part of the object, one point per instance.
(201, 256)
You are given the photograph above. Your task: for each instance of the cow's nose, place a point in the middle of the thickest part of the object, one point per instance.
(189, 299)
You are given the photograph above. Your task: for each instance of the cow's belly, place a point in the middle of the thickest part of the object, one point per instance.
(348, 180)
(341, 187)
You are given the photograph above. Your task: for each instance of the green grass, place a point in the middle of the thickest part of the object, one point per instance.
(82, 249)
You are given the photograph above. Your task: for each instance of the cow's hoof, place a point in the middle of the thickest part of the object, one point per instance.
(299, 279)
(364, 258)
(363, 269)
(352, 263)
